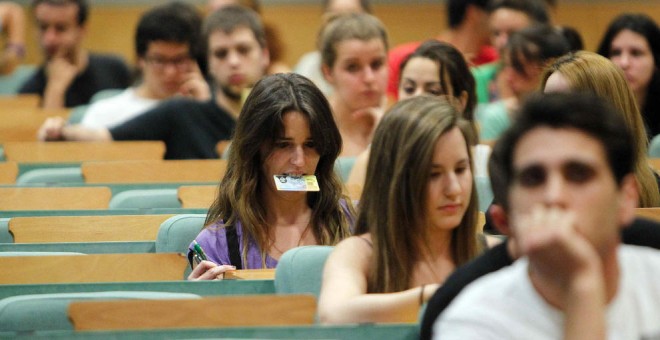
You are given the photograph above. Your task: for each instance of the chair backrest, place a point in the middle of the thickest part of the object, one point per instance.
(11, 83)
(51, 176)
(484, 192)
(21, 124)
(154, 171)
(8, 172)
(300, 270)
(343, 166)
(251, 310)
(93, 268)
(197, 196)
(48, 229)
(40, 152)
(176, 233)
(654, 147)
(43, 312)
(54, 198)
(145, 199)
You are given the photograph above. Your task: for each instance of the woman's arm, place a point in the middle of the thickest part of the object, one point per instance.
(344, 297)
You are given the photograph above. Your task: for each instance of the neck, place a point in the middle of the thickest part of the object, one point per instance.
(554, 294)
(144, 91)
(231, 105)
(355, 127)
(286, 208)
(640, 97)
(439, 241)
(466, 40)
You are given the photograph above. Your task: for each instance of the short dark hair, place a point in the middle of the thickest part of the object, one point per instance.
(585, 112)
(456, 10)
(173, 22)
(536, 10)
(538, 43)
(83, 7)
(229, 18)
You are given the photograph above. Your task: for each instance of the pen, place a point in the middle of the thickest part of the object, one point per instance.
(199, 252)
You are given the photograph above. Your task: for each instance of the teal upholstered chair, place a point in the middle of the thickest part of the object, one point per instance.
(300, 270)
(145, 199)
(176, 233)
(11, 83)
(41, 312)
(654, 147)
(51, 176)
(484, 192)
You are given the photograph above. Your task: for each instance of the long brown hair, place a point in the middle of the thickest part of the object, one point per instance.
(392, 203)
(258, 126)
(588, 71)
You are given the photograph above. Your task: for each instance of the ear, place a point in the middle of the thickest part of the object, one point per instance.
(462, 99)
(628, 200)
(500, 219)
(266, 59)
(327, 74)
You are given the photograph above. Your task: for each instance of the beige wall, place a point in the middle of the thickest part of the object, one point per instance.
(111, 28)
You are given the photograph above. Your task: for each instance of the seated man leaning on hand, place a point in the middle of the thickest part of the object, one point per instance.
(568, 167)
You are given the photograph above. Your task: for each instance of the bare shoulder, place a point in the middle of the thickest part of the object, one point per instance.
(354, 250)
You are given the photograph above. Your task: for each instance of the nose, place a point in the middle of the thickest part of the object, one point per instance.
(298, 156)
(625, 60)
(49, 36)
(369, 74)
(500, 41)
(452, 187)
(554, 191)
(233, 58)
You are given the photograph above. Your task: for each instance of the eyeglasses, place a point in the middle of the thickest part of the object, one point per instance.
(158, 62)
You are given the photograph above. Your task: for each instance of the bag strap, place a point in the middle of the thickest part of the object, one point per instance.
(233, 248)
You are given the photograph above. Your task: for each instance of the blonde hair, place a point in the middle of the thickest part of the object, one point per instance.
(587, 71)
(347, 26)
(391, 206)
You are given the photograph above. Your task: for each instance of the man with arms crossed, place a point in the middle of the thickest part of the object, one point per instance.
(567, 163)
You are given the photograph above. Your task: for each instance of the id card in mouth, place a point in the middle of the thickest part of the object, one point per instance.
(296, 183)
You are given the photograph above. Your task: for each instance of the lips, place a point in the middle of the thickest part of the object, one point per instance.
(236, 79)
(450, 208)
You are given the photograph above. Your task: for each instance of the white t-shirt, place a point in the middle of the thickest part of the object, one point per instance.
(110, 112)
(505, 305)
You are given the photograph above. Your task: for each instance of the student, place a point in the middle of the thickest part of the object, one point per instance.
(504, 18)
(566, 203)
(587, 71)
(417, 219)
(526, 54)
(70, 75)
(632, 42)
(309, 65)
(167, 39)
(467, 31)
(274, 41)
(191, 129)
(435, 69)
(641, 232)
(354, 55)
(285, 128)
(12, 27)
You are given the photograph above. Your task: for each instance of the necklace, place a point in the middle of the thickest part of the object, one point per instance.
(302, 235)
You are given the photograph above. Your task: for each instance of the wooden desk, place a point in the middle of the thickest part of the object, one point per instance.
(69, 152)
(154, 171)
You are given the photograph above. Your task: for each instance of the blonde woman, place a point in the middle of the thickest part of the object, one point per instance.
(587, 71)
(417, 220)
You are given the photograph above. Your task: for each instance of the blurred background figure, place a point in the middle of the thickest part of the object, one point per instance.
(632, 42)
(276, 47)
(309, 64)
(12, 26)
